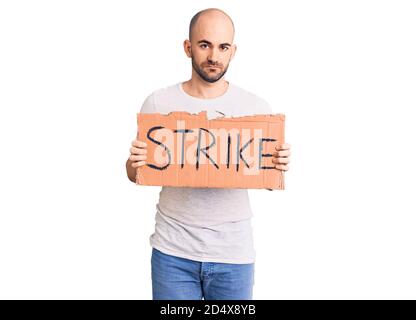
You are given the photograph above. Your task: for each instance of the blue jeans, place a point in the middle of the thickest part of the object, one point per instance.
(175, 278)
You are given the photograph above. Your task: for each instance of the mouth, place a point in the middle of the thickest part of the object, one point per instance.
(212, 68)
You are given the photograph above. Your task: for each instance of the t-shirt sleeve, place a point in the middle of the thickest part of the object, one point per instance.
(149, 105)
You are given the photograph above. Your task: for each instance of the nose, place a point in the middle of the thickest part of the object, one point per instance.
(213, 56)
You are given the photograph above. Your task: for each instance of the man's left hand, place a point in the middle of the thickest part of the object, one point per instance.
(281, 157)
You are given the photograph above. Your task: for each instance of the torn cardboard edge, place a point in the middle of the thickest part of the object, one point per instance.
(209, 176)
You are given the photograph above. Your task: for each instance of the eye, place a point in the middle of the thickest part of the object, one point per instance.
(224, 48)
(203, 45)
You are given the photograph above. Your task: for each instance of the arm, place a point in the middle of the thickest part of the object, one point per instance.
(138, 150)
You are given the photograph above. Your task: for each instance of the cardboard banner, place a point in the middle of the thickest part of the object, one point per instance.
(188, 150)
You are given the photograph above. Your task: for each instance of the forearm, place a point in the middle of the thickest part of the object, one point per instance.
(131, 172)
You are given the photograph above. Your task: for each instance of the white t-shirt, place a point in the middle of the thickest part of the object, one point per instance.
(205, 224)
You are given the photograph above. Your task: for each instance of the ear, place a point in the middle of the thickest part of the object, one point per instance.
(234, 49)
(187, 48)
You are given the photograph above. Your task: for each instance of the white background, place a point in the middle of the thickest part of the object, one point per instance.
(73, 75)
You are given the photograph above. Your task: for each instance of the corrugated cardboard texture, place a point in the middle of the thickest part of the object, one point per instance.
(228, 152)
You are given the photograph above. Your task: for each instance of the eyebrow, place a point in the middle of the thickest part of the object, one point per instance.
(206, 41)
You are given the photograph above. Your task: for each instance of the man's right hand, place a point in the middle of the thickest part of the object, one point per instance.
(138, 156)
(138, 153)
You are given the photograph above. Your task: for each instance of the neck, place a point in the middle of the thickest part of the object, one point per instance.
(199, 88)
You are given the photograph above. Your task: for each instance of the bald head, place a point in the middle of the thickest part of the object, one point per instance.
(210, 44)
(208, 18)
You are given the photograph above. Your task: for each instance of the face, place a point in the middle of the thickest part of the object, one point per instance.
(210, 68)
(210, 47)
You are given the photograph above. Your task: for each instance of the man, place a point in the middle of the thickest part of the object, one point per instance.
(202, 245)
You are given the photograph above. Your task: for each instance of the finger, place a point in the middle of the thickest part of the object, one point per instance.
(138, 164)
(139, 144)
(280, 160)
(134, 150)
(138, 157)
(282, 167)
(285, 153)
(284, 146)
